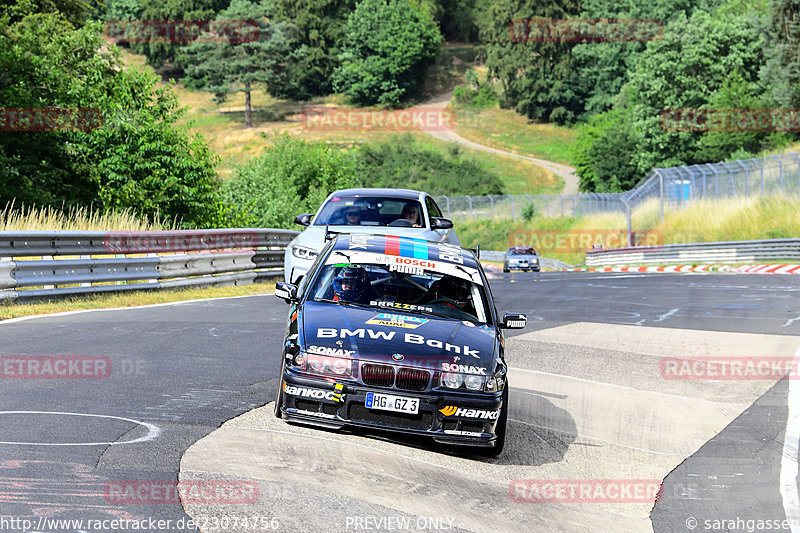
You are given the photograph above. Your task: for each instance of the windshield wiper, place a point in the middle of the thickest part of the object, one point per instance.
(343, 302)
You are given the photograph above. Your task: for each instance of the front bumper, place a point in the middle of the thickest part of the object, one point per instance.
(458, 428)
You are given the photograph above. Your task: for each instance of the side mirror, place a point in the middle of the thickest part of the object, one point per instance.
(286, 292)
(514, 321)
(441, 223)
(303, 220)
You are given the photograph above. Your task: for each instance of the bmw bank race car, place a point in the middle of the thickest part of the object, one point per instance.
(398, 334)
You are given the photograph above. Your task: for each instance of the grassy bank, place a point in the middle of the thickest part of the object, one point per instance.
(506, 130)
(736, 219)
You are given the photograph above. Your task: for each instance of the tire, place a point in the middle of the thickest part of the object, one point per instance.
(279, 399)
(505, 270)
(500, 430)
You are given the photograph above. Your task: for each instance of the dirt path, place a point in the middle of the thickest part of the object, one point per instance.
(565, 172)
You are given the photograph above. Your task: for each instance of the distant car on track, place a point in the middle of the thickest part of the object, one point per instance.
(521, 258)
(377, 211)
(397, 334)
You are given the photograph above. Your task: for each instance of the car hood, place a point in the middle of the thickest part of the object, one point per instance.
(314, 236)
(423, 341)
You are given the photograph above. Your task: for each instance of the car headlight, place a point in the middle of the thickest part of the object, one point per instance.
(301, 252)
(534, 260)
(327, 366)
(452, 381)
(474, 382)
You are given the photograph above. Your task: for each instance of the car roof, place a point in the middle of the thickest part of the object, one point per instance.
(406, 194)
(407, 247)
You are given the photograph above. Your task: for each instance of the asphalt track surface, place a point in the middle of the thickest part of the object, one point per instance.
(588, 402)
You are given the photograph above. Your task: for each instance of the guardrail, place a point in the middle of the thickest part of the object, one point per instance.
(40, 264)
(697, 253)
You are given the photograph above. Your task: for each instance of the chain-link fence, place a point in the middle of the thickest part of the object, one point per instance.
(676, 186)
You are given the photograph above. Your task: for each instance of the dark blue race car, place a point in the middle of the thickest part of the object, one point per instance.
(398, 334)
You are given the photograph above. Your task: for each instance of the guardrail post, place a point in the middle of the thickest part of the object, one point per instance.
(471, 212)
(492, 202)
(446, 199)
(661, 191)
(512, 206)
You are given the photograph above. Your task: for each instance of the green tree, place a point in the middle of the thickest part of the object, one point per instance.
(682, 71)
(224, 66)
(137, 158)
(159, 50)
(320, 33)
(459, 19)
(388, 45)
(603, 67)
(602, 153)
(734, 94)
(781, 71)
(292, 177)
(539, 79)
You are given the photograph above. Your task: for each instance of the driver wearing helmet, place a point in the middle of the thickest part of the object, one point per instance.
(352, 284)
(453, 291)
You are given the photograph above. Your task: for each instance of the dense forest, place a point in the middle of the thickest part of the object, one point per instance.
(63, 54)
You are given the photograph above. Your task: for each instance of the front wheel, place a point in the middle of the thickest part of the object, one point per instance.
(506, 270)
(500, 430)
(279, 400)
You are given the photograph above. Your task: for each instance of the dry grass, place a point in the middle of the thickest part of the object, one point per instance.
(77, 219)
(734, 219)
(110, 301)
(506, 130)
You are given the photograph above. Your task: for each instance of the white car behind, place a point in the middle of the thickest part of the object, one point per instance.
(381, 211)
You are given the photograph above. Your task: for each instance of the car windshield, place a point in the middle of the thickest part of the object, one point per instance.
(521, 251)
(370, 211)
(414, 290)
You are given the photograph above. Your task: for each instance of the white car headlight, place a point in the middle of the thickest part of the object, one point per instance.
(301, 252)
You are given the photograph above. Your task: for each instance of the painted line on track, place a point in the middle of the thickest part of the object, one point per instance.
(789, 457)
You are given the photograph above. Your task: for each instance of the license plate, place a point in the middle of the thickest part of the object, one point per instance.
(387, 402)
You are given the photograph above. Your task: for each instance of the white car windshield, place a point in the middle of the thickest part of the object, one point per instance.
(370, 211)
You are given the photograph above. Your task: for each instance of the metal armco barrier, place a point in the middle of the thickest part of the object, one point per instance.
(697, 253)
(119, 261)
